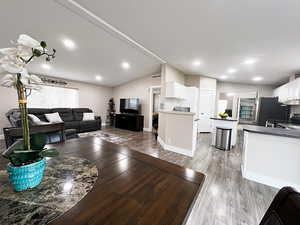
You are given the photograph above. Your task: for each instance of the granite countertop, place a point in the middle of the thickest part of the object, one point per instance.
(66, 181)
(273, 131)
(218, 118)
(290, 126)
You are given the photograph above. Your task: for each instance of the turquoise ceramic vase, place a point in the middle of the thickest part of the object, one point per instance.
(28, 176)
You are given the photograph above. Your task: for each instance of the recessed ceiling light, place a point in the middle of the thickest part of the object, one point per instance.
(69, 43)
(231, 70)
(125, 65)
(98, 77)
(197, 63)
(223, 77)
(46, 66)
(250, 61)
(257, 78)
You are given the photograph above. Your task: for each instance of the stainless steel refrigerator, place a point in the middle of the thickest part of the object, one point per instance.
(271, 110)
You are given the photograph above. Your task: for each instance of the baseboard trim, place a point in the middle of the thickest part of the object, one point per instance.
(1, 136)
(277, 183)
(147, 129)
(171, 148)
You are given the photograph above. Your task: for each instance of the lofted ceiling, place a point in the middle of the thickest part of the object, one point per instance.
(97, 52)
(197, 37)
(221, 34)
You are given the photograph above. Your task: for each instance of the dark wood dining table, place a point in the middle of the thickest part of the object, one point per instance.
(132, 188)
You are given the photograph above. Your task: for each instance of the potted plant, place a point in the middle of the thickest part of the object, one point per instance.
(223, 115)
(26, 156)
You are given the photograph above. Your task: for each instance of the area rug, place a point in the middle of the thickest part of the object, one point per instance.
(66, 182)
(114, 138)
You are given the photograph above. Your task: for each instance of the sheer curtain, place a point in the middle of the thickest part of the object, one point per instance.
(54, 97)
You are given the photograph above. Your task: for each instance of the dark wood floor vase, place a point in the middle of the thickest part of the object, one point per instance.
(132, 189)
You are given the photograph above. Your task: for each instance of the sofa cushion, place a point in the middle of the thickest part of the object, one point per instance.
(88, 116)
(53, 118)
(72, 125)
(78, 113)
(65, 114)
(34, 120)
(40, 113)
(88, 125)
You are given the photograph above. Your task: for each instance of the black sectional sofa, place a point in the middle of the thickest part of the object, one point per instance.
(72, 119)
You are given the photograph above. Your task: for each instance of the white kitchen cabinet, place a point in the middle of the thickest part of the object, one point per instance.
(289, 92)
(175, 90)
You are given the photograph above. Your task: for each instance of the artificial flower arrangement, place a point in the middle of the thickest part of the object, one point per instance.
(26, 156)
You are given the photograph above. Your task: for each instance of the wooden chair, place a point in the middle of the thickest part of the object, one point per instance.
(284, 209)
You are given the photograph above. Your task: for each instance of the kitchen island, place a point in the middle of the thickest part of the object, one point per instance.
(271, 156)
(177, 132)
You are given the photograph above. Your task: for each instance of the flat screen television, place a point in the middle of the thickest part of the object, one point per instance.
(129, 105)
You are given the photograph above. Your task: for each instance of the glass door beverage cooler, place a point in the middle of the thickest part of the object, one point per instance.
(248, 110)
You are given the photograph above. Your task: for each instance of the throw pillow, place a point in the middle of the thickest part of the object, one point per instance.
(53, 117)
(35, 120)
(88, 116)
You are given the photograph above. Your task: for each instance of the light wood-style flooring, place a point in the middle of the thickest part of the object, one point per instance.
(226, 198)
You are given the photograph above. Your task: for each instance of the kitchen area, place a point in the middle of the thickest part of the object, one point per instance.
(264, 119)
(269, 128)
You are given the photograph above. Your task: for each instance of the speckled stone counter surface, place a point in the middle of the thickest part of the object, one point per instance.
(66, 181)
(272, 131)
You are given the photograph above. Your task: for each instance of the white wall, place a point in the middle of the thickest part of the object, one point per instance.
(170, 74)
(91, 96)
(263, 90)
(137, 89)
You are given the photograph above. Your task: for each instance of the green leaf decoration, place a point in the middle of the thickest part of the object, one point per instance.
(38, 141)
(19, 158)
(37, 53)
(43, 44)
(49, 153)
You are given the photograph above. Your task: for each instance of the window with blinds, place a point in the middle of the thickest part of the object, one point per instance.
(54, 97)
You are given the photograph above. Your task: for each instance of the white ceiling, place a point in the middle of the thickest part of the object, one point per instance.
(219, 33)
(98, 52)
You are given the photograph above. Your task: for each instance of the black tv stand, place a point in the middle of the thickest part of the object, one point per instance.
(130, 121)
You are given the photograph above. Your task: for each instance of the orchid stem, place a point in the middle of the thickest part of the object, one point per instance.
(24, 112)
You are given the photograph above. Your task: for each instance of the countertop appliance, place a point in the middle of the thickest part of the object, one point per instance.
(269, 109)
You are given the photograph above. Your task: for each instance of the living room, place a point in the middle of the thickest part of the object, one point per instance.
(128, 113)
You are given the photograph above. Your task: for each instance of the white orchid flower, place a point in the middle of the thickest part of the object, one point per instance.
(12, 64)
(35, 79)
(8, 51)
(28, 41)
(8, 80)
(29, 81)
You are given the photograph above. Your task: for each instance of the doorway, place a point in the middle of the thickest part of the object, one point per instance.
(154, 103)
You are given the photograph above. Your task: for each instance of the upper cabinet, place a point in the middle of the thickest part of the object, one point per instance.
(288, 93)
(175, 90)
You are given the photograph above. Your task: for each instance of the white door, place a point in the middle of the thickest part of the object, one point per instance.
(206, 109)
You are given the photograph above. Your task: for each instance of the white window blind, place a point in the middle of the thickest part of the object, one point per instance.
(54, 97)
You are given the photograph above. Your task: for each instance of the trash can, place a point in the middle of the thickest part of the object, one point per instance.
(223, 138)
